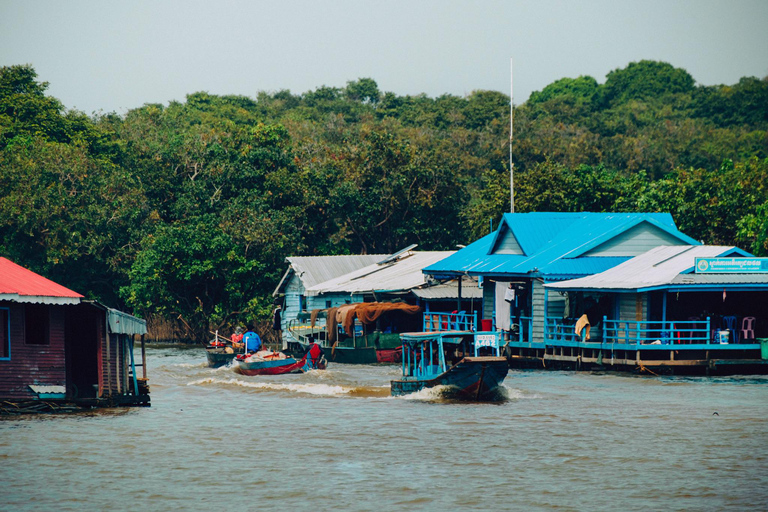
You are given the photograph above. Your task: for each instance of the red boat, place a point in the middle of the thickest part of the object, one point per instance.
(389, 355)
(276, 363)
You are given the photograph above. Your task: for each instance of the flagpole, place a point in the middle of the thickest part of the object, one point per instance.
(511, 119)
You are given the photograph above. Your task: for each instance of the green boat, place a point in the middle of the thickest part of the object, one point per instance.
(377, 341)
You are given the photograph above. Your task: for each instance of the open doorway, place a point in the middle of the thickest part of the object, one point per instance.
(82, 336)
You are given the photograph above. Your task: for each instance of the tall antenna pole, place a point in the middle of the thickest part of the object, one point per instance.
(511, 124)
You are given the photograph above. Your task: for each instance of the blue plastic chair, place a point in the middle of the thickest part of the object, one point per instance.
(729, 323)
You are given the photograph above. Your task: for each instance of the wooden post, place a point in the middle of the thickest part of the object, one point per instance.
(109, 353)
(458, 306)
(143, 359)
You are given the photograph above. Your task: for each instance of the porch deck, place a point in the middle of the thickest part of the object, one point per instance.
(686, 347)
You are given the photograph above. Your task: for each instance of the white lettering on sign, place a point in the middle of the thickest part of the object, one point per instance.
(485, 340)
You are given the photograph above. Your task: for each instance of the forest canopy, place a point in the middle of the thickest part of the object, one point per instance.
(187, 211)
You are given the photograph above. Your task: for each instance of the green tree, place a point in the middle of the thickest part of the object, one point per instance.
(644, 80)
(193, 273)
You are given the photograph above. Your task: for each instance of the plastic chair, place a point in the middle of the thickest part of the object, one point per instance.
(690, 335)
(729, 323)
(748, 328)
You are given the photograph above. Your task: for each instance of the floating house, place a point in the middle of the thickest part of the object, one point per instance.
(307, 271)
(700, 309)
(59, 348)
(399, 277)
(397, 288)
(322, 282)
(529, 250)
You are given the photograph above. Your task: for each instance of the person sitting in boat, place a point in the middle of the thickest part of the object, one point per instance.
(315, 352)
(252, 342)
(237, 336)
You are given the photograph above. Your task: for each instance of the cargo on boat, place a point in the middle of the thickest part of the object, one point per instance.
(267, 362)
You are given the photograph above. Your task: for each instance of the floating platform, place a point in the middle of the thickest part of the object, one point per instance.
(699, 359)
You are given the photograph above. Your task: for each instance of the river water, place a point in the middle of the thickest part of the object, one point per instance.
(336, 440)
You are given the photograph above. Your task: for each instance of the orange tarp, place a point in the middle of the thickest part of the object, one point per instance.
(366, 312)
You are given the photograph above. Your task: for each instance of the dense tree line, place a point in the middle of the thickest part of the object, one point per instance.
(186, 211)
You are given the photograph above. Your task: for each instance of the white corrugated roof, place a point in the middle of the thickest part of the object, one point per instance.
(313, 270)
(450, 290)
(401, 275)
(659, 266)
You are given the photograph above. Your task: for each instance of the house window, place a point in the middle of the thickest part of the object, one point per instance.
(36, 323)
(327, 304)
(5, 334)
(302, 303)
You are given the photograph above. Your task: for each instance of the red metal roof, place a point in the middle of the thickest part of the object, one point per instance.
(15, 279)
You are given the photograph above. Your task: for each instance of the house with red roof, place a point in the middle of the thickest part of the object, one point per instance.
(57, 346)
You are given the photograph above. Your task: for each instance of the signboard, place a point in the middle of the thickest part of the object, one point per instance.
(731, 265)
(486, 340)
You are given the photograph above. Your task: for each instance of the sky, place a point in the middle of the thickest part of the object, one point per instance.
(109, 56)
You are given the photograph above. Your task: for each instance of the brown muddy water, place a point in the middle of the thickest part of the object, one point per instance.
(336, 440)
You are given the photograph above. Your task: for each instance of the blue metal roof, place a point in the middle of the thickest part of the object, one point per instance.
(554, 244)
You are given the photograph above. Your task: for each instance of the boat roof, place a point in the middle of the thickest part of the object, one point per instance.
(412, 337)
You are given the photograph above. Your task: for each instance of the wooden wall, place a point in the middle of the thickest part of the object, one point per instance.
(635, 241)
(32, 364)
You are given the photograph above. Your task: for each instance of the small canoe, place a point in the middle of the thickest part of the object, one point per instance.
(219, 356)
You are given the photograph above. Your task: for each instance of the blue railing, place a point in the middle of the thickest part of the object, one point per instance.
(462, 321)
(556, 329)
(524, 328)
(670, 332)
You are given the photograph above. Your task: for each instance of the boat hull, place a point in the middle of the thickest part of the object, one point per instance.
(273, 367)
(394, 355)
(475, 378)
(217, 357)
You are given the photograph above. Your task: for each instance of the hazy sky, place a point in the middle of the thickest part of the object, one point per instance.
(114, 56)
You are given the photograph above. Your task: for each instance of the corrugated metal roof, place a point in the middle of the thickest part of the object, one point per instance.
(313, 270)
(450, 290)
(401, 275)
(724, 279)
(553, 243)
(19, 284)
(123, 323)
(658, 267)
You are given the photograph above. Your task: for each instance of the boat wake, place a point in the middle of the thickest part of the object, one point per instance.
(317, 389)
(450, 394)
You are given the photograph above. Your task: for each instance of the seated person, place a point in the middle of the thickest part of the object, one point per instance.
(252, 342)
(315, 352)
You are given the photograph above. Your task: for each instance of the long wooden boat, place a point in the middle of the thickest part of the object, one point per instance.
(433, 359)
(275, 363)
(371, 334)
(345, 351)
